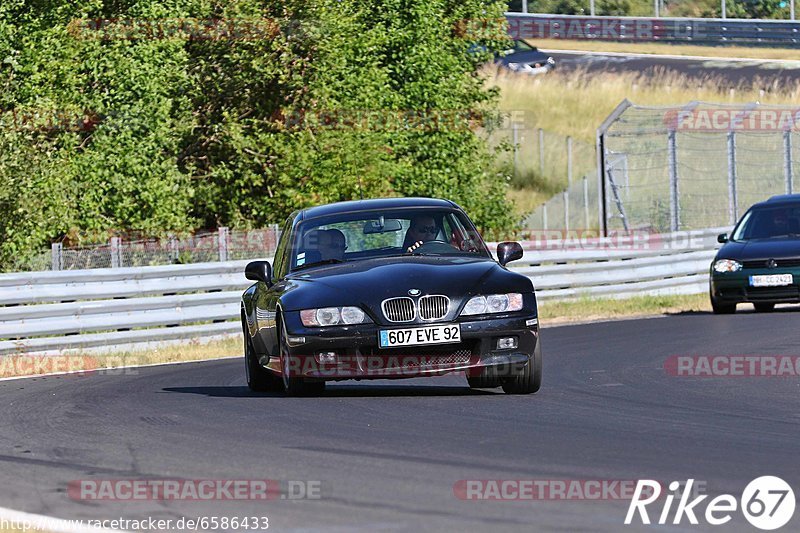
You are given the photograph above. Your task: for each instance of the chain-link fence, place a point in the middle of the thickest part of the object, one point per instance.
(695, 166)
(548, 163)
(574, 208)
(220, 245)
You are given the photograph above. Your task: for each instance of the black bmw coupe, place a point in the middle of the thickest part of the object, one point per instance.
(388, 288)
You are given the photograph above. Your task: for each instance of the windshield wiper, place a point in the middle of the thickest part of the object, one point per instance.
(317, 263)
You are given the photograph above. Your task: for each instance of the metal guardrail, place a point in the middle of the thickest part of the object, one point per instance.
(783, 33)
(47, 312)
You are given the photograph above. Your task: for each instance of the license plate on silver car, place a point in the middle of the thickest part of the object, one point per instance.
(443, 334)
(771, 280)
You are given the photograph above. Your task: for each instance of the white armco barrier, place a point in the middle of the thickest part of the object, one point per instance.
(86, 309)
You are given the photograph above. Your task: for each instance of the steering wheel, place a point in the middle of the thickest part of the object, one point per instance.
(434, 247)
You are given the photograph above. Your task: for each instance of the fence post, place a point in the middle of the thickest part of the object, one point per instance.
(674, 205)
(173, 248)
(733, 201)
(524, 6)
(116, 254)
(222, 241)
(544, 215)
(569, 161)
(515, 140)
(586, 202)
(566, 212)
(787, 161)
(541, 151)
(57, 262)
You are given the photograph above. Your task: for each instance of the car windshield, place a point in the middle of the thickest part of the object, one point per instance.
(769, 223)
(522, 46)
(363, 235)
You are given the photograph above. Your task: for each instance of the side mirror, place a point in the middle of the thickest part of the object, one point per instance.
(508, 251)
(258, 271)
(722, 238)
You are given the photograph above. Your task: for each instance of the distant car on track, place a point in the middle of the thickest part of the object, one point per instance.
(760, 261)
(388, 288)
(526, 59)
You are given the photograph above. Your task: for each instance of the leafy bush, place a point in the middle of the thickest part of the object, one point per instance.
(166, 134)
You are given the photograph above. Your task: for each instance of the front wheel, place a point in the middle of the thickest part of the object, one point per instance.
(720, 308)
(529, 380)
(293, 385)
(259, 379)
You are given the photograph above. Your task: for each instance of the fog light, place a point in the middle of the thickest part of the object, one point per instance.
(506, 343)
(326, 358)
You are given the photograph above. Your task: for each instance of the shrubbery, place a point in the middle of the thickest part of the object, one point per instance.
(157, 133)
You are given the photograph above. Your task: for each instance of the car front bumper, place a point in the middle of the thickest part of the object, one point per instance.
(735, 287)
(356, 353)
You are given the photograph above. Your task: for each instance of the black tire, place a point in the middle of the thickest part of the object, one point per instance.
(764, 307)
(294, 386)
(720, 308)
(529, 380)
(259, 379)
(484, 382)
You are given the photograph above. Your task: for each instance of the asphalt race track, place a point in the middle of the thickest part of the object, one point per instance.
(388, 454)
(723, 72)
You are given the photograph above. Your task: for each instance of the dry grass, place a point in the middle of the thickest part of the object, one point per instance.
(526, 200)
(596, 309)
(669, 49)
(194, 350)
(576, 103)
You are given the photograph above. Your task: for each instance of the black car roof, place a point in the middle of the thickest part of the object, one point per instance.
(779, 199)
(377, 203)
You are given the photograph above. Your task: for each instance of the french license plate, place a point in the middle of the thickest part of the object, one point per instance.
(445, 334)
(771, 280)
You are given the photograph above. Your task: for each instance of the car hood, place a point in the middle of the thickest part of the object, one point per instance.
(760, 249)
(369, 282)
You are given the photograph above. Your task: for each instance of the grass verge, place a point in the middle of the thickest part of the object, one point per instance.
(596, 309)
(668, 49)
(581, 310)
(86, 362)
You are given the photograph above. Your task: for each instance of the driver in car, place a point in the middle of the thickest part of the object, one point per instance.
(332, 244)
(423, 229)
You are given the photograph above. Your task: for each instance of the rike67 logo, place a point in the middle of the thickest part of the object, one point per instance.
(767, 503)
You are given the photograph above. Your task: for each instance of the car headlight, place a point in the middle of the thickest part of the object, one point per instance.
(333, 316)
(727, 265)
(514, 66)
(493, 303)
